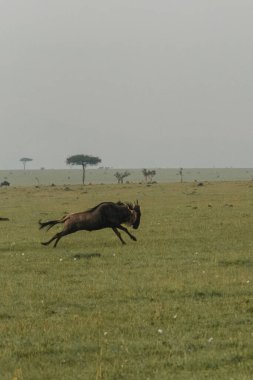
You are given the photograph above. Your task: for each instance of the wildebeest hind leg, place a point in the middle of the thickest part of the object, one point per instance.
(119, 235)
(127, 232)
(56, 237)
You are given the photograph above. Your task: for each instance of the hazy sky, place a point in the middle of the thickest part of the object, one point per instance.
(139, 83)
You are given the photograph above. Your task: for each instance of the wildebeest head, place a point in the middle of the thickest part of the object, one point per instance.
(137, 210)
(135, 214)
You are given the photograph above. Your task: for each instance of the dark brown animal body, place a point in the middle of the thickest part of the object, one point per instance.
(105, 215)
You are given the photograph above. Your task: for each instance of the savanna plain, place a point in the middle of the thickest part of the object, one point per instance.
(176, 304)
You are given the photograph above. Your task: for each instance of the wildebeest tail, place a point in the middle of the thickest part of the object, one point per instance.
(48, 224)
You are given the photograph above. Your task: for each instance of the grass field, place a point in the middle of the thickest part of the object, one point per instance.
(176, 304)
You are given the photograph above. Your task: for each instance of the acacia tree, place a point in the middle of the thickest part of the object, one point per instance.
(24, 160)
(148, 174)
(83, 160)
(145, 173)
(120, 176)
(152, 173)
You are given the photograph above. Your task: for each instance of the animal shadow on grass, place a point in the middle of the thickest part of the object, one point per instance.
(79, 256)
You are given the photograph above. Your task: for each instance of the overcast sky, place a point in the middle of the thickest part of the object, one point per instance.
(139, 83)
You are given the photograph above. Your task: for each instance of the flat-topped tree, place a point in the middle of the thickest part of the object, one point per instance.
(24, 160)
(83, 160)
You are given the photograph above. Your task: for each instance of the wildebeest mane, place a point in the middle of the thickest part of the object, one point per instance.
(119, 203)
(97, 206)
(128, 204)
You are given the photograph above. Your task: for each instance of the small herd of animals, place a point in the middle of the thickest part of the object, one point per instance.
(104, 215)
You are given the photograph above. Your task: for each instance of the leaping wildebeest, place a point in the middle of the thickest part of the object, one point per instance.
(104, 215)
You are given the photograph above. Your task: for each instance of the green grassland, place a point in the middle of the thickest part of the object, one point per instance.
(176, 304)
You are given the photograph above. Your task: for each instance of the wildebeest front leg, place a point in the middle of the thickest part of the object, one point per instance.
(118, 234)
(127, 232)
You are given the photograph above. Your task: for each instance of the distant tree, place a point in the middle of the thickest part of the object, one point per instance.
(181, 174)
(145, 173)
(84, 161)
(152, 173)
(148, 174)
(120, 176)
(24, 160)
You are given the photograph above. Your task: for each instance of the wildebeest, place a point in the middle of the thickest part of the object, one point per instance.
(104, 215)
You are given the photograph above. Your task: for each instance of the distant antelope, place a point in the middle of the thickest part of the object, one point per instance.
(104, 215)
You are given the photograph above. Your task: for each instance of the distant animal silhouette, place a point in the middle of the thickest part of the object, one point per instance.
(5, 183)
(104, 215)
